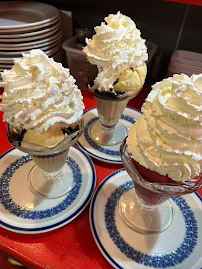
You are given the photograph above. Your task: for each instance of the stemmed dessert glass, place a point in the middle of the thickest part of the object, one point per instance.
(146, 207)
(107, 130)
(54, 173)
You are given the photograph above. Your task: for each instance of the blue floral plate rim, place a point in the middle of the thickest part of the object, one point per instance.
(64, 215)
(129, 263)
(105, 154)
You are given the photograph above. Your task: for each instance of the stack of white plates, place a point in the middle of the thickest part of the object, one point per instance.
(28, 25)
(185, 62)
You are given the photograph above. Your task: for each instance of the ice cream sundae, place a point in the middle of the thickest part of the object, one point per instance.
(165, 143)
(162, 153)
(42, 108)
(115, 68)
(117, 55)
(40, 96)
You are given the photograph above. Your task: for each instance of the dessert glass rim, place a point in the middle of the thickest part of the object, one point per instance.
(128, 94)
(178, 188)
(41, 150)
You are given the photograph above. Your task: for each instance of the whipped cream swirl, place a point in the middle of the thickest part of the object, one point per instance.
(115, 47)
(168, 136)
(40, 93)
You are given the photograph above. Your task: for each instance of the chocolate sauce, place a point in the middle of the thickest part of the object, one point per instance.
(90, 73)
(109, 95)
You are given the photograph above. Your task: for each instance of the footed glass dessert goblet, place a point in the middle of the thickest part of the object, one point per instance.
(146, 208)
(107, 130)
(54, 174)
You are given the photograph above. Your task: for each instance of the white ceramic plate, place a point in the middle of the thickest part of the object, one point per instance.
(33, 45)
(22, 14)
(58, 56)
(53, 51)
(9, 59)
(30, 38)
(30, 33)
(178, 247)
(43, 41)
(23, 212)
(108, 154)
(14, 53)
(6, 66)
(31, 28)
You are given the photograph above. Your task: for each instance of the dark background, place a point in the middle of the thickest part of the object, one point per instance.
(169, 25)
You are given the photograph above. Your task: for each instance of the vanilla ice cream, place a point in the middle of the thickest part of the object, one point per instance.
(167, 138)
(40, 94)
(48, 138)
(119, 54)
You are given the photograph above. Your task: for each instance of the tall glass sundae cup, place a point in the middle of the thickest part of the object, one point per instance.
(115, 72)
(107, 129)
(43, 111)
(162, 153)
(54, 174)
(146, 208)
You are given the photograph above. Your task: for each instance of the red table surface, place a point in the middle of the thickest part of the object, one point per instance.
(71, 246)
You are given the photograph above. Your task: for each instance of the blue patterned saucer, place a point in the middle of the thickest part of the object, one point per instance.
(178, 247)
(23, 212)
(108, 154)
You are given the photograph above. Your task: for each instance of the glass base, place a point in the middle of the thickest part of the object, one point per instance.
(145, 220)
(107, 137)
(55, 185)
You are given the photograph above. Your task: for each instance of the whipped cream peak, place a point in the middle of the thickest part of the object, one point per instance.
(40, 93)
(116, 46)
(168, 136)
